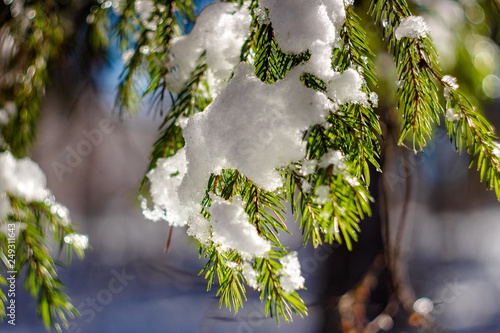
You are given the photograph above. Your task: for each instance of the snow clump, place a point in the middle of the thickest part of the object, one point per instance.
(4, 206)
(232, 230)
(199, 228)
(411, 27)
(346, 88)
(22, 178)
(144, 8)
(314, 25)
(220, 30)
(291, 278)
(165, 180)
(250, 275)
(298, 24)
(322, 194)
(265, 132)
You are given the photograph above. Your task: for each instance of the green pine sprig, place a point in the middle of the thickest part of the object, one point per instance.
(419, 74)
(417, 92)
(189, 101)
(472, 131)
(34, 256)
(277, 301)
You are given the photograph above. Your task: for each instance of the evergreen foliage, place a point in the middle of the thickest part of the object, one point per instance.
(351, 132)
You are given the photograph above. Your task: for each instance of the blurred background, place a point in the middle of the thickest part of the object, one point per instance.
(127, 283)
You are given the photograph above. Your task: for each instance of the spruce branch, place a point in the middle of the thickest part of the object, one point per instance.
(189, 101)
(474, 133)
(419, 73)
(470, 130)
(335, 220)
(355, 50)
(278, 302)
(352, 131)
(147, 59)
(265, 211)
(258, 206)
(231, 288)
(271, 64)
(417, 93)
(418, 100)
(42, 41)
(34, 257)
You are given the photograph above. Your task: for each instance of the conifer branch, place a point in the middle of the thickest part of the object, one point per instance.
(36, 222)
(419, 71)
(418, 100)
(474, 133)
(271, 64)
(188, 102)
(40, 47)
(356, 53)
(144, 63)
(278, 302)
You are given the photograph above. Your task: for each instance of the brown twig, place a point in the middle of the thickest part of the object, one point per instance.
(169, 239)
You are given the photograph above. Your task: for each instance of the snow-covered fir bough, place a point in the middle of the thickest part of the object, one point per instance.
(272, 101)
(32, 223)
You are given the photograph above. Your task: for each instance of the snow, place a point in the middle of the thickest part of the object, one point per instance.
(322, 194)
(320, 62)
(291, 278)
(77, 240)
(451, 115)
(297, 23)
(496, 150)
(336, 11)
(261, 15)
(250, 275)
(306, 186)
(374, 99)
(165, 180)
(335, 158)
(231, 229)
(4, 206)
(199, 228)
(221, 30)
(22, 178)
(185, 53)
(314, 25)
(353, 181)
(411, 27)
(308, 167)
(346, 88)
(144, 8)
(265, 132)
(451, 81)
